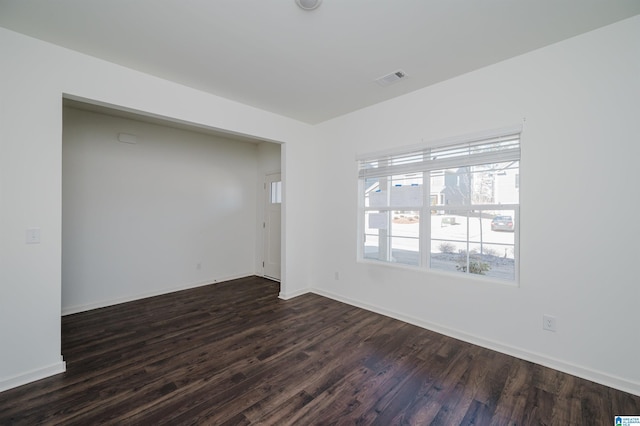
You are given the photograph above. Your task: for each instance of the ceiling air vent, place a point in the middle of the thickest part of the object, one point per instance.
(389, 79)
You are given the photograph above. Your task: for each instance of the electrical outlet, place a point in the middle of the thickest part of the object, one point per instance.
(33, 236)
(549, 323)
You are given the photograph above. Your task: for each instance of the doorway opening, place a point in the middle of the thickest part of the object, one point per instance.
(151, 205)
(272, 226)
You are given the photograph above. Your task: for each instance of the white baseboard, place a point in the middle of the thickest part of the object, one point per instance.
(556, 364)
(291, 295)
(68, 310)
(33, 375)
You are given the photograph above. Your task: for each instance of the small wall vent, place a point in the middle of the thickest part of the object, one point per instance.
(125, 138)
(392, 78)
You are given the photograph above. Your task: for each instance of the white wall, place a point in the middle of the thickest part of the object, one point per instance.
(175, 210)
(580, 99)
(33, 78)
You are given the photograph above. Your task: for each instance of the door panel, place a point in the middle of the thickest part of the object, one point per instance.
(272, 226)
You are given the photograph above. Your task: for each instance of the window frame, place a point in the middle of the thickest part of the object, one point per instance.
(491, 147)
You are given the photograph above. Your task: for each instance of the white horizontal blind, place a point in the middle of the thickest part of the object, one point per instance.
(494, 149)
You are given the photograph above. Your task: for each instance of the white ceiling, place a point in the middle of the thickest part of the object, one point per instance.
(310, 66)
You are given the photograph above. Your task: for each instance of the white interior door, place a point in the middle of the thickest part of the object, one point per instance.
(272, 226)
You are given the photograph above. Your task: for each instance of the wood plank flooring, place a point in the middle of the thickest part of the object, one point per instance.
(234, 354)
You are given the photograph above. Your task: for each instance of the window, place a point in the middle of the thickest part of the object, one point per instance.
(453, 207)
(276, 193)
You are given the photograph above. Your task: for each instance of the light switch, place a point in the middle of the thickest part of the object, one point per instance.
(33, 235)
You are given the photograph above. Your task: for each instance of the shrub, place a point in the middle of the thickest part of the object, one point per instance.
(490, 251)
(476, 266)
(447, 247)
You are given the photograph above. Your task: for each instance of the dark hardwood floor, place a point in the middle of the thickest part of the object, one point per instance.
(233, 353)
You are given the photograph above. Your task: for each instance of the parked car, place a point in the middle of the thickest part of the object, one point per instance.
(502, 223)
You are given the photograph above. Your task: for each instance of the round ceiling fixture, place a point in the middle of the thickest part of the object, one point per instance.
(308, 4)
